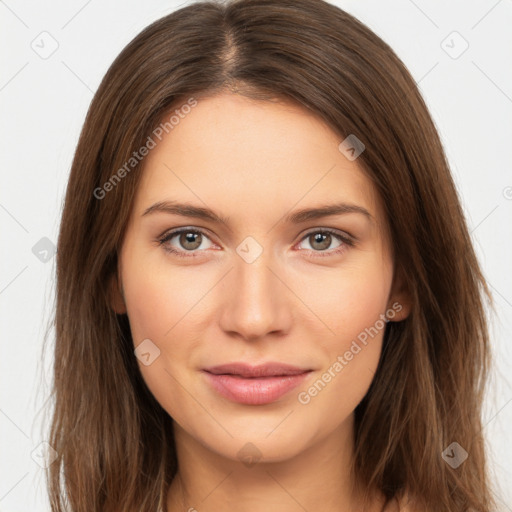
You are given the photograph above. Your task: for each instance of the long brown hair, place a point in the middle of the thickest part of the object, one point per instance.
(114, 442)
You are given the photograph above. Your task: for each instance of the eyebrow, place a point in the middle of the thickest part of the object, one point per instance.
(297, 217)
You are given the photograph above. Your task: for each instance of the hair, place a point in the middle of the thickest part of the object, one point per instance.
(114, 442)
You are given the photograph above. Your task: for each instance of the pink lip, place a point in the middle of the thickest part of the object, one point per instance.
(255, 385)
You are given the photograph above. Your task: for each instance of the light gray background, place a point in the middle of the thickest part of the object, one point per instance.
(43, 102)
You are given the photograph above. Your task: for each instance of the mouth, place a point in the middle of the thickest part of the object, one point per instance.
(255, 385)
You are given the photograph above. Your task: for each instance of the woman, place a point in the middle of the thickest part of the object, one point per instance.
(267, 295)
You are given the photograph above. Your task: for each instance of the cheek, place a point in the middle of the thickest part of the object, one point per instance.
(154, 309)
(336, 391)
(156, 299)
(347, 301)
(163, 307)
(353, 308)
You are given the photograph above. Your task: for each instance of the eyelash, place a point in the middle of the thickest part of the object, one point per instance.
(346, 242)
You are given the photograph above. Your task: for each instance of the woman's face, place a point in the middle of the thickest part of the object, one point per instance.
(269, 283)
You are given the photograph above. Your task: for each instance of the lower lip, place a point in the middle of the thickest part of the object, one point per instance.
(254, 391)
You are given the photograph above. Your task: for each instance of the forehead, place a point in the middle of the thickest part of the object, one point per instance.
(251, 158)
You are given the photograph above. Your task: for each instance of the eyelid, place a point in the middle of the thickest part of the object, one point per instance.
(344, 235)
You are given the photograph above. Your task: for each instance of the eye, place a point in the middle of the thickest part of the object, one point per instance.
(188, 240)
(321, 239)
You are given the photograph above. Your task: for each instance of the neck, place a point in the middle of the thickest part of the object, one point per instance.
(321, 474)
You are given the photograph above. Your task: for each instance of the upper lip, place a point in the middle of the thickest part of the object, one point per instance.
(270, 369)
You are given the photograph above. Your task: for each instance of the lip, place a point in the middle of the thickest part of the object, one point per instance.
(254, 385)
(270, 369)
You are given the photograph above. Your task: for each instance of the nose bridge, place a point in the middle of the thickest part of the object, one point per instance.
(255, 303)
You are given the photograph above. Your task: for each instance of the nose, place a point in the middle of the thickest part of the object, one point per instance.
(256, 300)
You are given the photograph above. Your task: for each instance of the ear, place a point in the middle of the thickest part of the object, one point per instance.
(400, 301)
(116, 296)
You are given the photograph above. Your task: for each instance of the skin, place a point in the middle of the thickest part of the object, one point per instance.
(255, 162)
